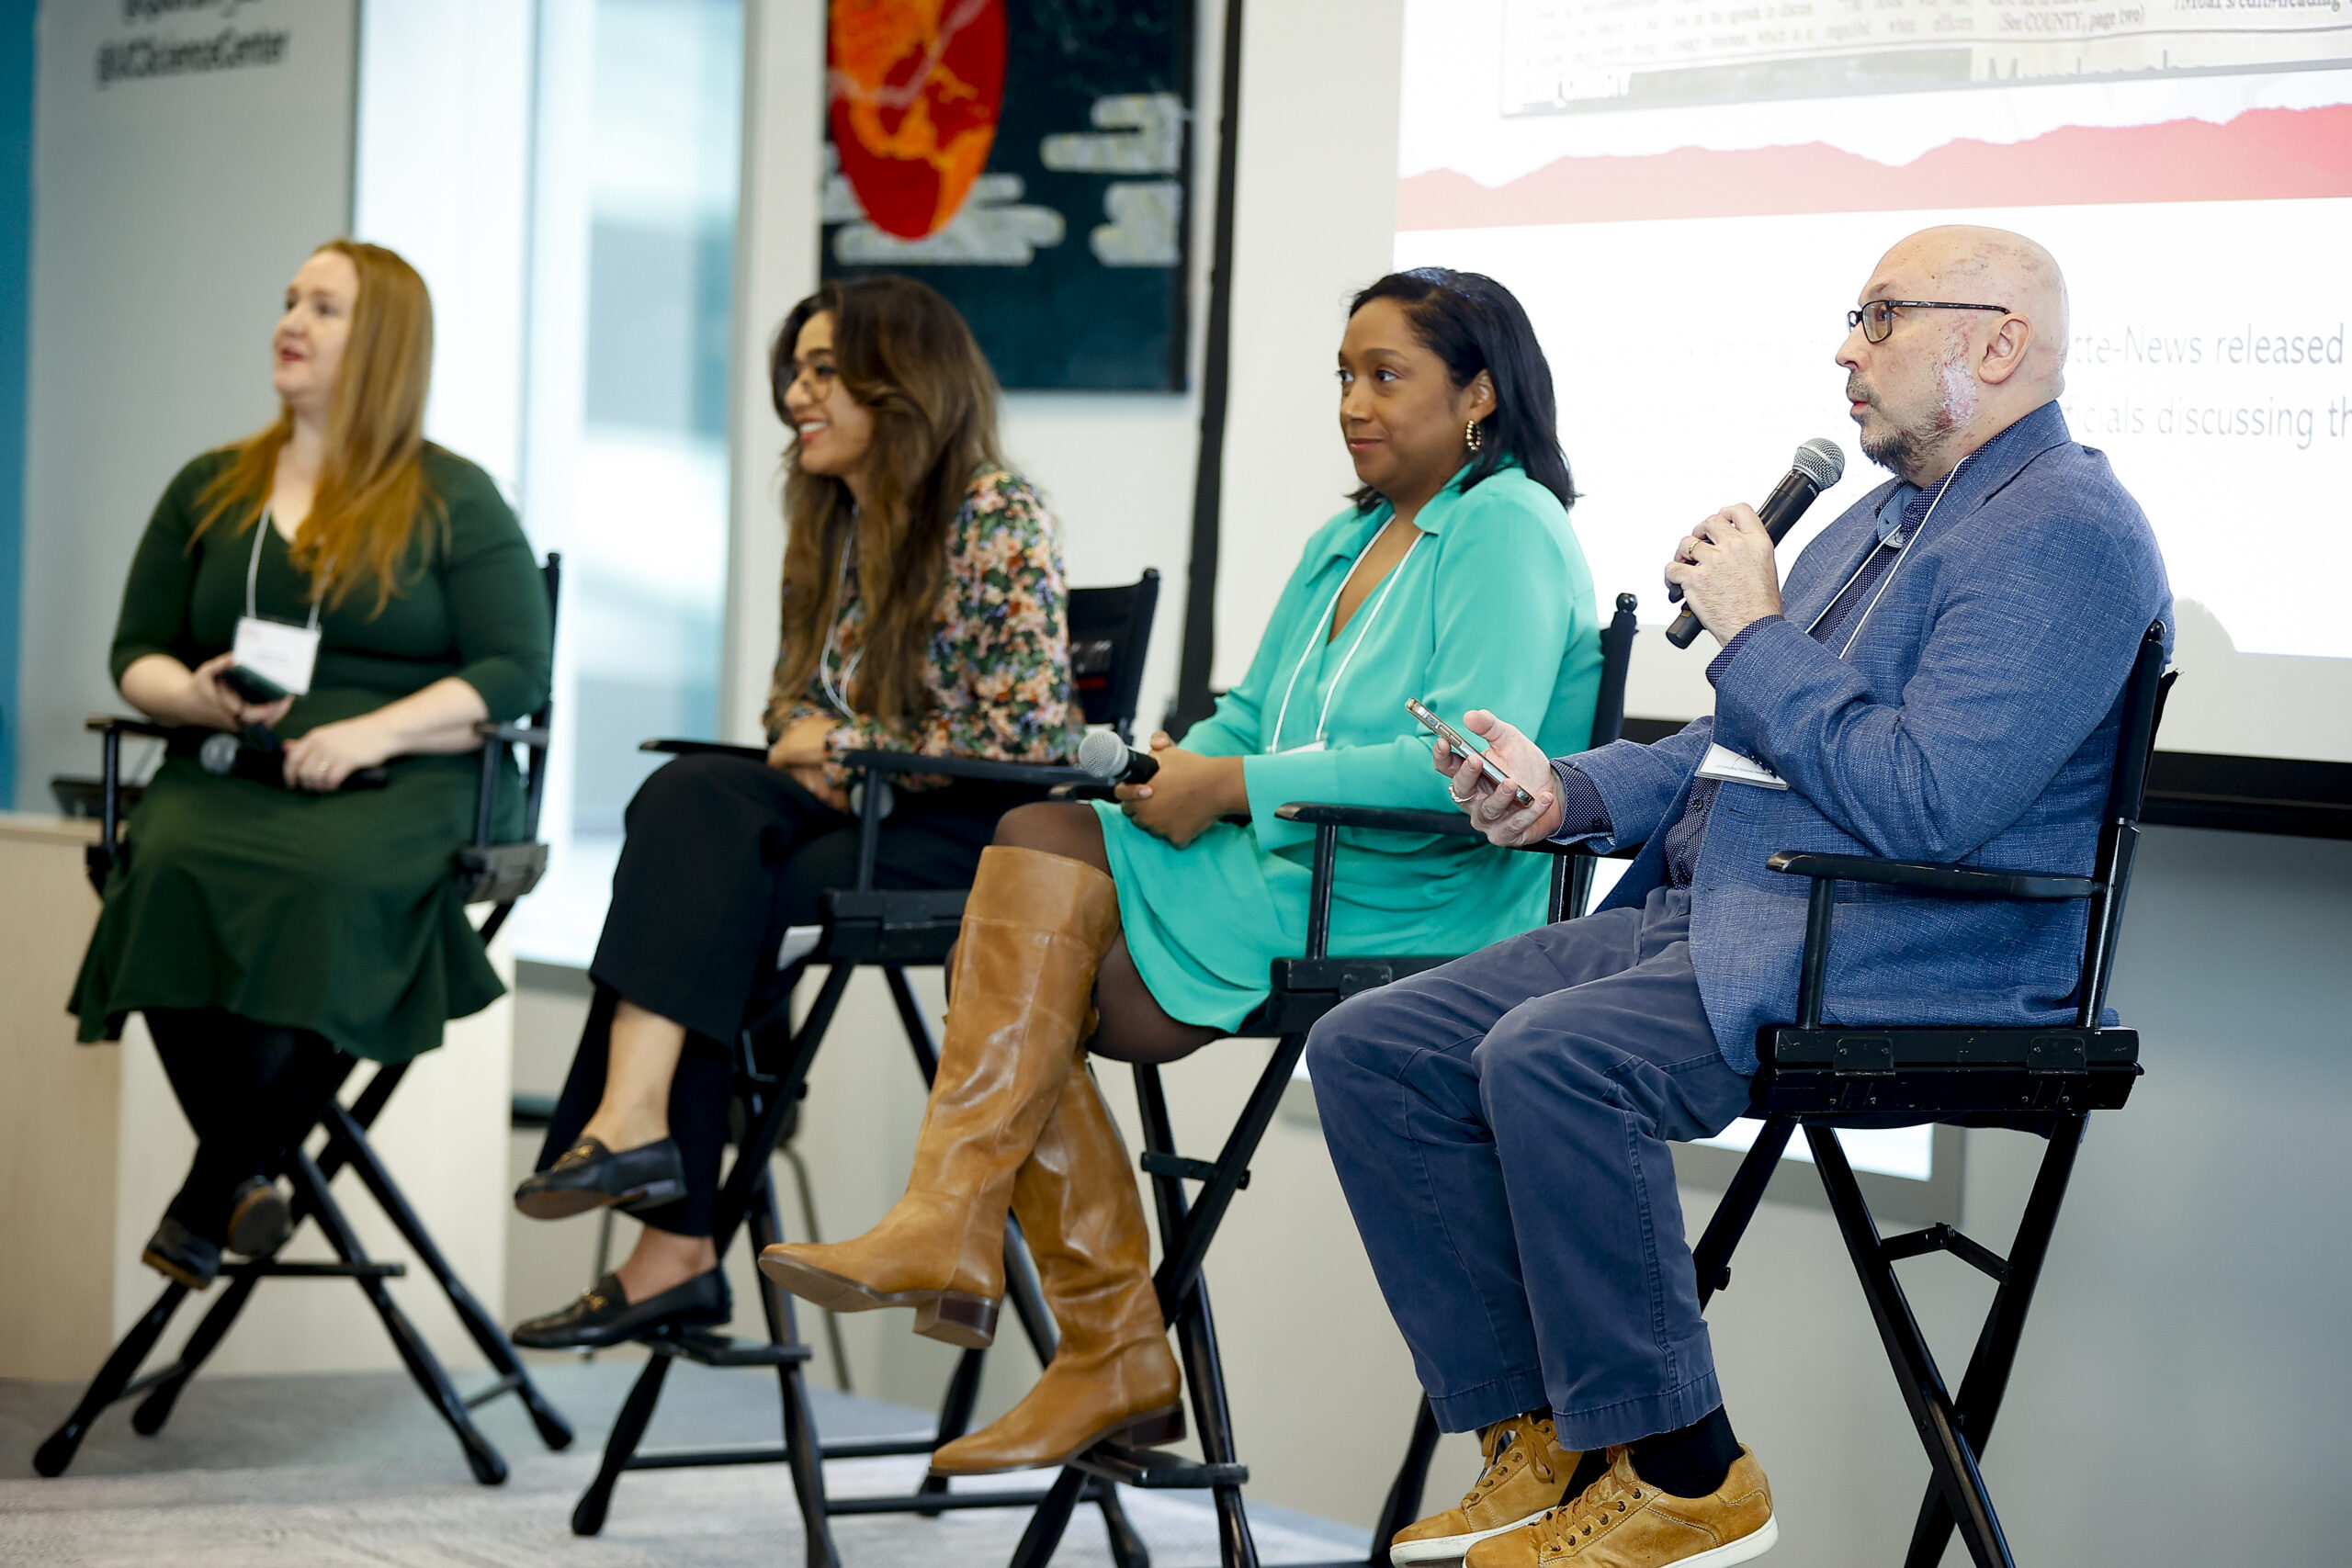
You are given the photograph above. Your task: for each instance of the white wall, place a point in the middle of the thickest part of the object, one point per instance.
(442, 174)
(167, 214)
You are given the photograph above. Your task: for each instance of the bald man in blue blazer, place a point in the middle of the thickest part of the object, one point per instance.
(1940, 679)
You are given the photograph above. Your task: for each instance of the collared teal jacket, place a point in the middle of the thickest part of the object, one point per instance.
(1493, 608)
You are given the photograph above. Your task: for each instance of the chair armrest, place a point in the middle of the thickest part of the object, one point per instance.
(99, 723)
(1962, 880)
(1042, 775)
(703, 748)
(1383, 819)
(513, 734)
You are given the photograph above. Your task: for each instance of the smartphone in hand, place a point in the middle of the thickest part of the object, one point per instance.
(1461, 746)
(252, 685)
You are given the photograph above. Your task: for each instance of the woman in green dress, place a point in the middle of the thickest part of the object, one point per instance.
(272, 924)
(1144, 929)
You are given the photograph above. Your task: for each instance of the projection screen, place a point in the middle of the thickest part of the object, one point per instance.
(1688, 195)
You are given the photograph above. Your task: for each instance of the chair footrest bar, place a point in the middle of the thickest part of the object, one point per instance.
(711, 1350)
(1191, 1170)
(882, 1447)
(264, 1269)
(503, 1386)
(931, 1502)
(1157, 1469)
(695, 1458)
(1943, 1238)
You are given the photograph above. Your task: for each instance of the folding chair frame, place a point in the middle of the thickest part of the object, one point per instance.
(500, 873)
(1303, 989)
(2044, 1082)
(891, 930)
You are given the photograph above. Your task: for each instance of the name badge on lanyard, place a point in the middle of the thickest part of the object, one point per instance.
(284, 654)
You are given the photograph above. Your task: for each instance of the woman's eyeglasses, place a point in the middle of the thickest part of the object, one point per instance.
(1877, 318)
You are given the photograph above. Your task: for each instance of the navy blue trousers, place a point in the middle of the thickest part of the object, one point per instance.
(1501, 1127)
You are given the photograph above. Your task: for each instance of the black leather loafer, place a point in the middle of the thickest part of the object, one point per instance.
(589, 1176)
(179, 1252)
(260, 1219)
(603, 1314)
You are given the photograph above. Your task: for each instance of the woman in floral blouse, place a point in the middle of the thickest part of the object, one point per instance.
(924, 610)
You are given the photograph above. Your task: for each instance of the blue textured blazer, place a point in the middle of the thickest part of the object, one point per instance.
(1973, 719)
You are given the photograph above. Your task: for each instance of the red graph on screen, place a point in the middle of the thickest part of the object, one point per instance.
(2263, 154)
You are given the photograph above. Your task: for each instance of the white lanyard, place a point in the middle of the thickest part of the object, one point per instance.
(1902, 553)
(1367, 616)
(833, 691)
(253, 572)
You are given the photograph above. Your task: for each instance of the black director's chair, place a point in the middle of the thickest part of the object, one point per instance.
(2043, 1081)
(1304, 989)
(488, 873)
(892, 929)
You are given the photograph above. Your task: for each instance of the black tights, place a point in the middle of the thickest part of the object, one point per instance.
(1135, 1027)
(252, 1091)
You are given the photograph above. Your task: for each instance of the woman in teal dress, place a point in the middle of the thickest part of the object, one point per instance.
(1144, 929)
(271, 924)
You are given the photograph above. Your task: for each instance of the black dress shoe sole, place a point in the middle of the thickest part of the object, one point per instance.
(562, 1203)
(261, 1223)
(952, 1318)
(177, 1272)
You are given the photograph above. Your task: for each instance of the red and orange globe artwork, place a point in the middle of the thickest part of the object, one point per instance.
(913, 92)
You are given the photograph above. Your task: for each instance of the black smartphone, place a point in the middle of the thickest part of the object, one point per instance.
(251, 685)
(1462, 748)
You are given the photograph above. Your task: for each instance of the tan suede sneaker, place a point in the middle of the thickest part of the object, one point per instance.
(1526, 1475)
(1621, 1521)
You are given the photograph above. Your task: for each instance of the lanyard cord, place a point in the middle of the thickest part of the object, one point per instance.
(253, 572)
(1908, 536)
(1368, 615)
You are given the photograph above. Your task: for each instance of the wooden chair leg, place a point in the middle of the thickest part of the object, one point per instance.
(1949, 1453)
(628, 1430)
(1987, 1379)
(113, 1378)
(488, 1465)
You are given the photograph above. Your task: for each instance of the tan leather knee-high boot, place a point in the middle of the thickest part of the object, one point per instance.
(1113, 1375)
(1035, 927)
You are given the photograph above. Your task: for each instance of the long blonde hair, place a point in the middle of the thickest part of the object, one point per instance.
(910, 360)
(372, 498)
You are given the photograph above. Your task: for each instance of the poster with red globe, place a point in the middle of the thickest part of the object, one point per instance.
(1031, 160)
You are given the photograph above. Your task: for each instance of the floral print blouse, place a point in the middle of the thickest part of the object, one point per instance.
(999, 674)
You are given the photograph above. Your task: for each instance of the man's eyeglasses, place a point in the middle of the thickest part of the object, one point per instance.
(1877, 318)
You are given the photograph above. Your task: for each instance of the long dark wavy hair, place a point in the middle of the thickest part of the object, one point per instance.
(908, 359)
(1474, 323)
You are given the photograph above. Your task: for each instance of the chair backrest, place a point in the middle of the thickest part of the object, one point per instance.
(2143, 711)
(1109, 630)
(1616, 657)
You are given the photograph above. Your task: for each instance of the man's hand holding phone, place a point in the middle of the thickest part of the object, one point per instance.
(1492, 808)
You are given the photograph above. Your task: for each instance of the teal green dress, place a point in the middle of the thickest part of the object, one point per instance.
(335, 913)
(1492, 609)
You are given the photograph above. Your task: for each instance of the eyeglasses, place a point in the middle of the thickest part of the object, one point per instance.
(1877, 318)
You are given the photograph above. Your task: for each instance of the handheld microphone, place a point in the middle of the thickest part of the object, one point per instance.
(1818, 464)
(1112, 760)
(256, 754)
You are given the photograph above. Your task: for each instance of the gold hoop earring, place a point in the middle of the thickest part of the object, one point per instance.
(1473, 436)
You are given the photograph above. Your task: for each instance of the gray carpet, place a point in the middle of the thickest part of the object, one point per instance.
(357, 1473)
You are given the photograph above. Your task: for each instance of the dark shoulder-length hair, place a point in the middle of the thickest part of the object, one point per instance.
(908, 359)
(1474, 323)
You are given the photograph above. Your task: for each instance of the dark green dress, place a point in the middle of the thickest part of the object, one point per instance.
(328, 912)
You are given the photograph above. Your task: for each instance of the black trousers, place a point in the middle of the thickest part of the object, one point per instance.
(252, 1091)
(724, 855)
